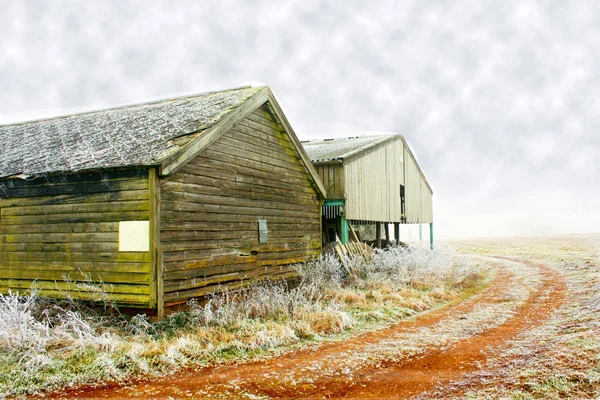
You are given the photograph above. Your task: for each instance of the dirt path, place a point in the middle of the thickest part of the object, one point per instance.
(400, 362)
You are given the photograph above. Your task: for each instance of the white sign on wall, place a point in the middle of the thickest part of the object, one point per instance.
(134, 236)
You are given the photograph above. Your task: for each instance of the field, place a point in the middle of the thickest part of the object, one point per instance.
(502, 318)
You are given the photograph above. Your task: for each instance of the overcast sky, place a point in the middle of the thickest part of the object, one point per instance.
(500, 100)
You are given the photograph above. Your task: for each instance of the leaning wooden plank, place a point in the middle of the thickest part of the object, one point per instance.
(353, 235)
(342, 258)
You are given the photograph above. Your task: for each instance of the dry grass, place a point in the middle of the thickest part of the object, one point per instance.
(46, 345)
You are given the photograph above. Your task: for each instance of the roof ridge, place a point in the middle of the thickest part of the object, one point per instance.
(387, 134)
(131, 105)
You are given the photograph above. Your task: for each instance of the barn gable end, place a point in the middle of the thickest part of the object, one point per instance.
(211, 207)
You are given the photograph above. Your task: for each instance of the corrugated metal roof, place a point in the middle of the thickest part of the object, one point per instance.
(323, 150)
(141, 134)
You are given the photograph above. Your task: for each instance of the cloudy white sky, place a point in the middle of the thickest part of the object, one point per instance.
(499, 100)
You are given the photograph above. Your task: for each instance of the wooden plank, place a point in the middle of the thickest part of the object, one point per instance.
(111, 289)
(353, 234)
(206, 215)
(65, 265)
(78, 218)
(68, 188)
(60, 237)
(258, 168)
(124, 299)
(192, 259)
(172, 235)
(175, 285)
(206, 185)
(105, 177)
(263, 138)
(213, 195)
(76, 208)
(211, 226)
(125, 195)
(271, 156)
(256, 173)
(13, 270)
(156, 278)
(252, 127)
(252, 245)
(89, 227)
(73, 257)
(62, 247)
(235, 284)
(230, 172)
(201, 273)
(207, 208)
(224, 147)
(300, 205)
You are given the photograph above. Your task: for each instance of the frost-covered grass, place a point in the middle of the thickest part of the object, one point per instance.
(559, 359)
(48, 344)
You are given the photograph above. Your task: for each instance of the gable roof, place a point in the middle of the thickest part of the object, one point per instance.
(343, 150)
(326, 150)
(136, 135)
(167, 133)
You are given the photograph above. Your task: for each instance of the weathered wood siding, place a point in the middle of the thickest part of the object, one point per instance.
(332, 176)
(418, 195)
(58, 231)
(210, 210)
(373, 184)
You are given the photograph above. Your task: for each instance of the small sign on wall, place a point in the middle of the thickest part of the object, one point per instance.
(263, 231)
(134, 236)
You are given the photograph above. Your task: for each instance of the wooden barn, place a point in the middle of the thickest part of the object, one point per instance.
(156, 203)
(370, 180)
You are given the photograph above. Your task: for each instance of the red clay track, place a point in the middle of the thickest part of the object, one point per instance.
(387, 378)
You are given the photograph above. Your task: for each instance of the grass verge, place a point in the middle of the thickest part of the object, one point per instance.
(47, 345)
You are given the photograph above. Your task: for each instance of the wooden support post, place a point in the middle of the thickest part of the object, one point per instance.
(387, 232)
(421, 235)
(378, 234)
(156, 264)
(431, 235)
(397, 233)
